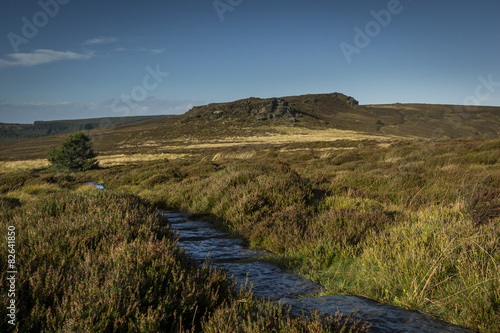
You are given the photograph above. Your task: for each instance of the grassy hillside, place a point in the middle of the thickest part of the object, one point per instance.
(262, 123)
(12, 132)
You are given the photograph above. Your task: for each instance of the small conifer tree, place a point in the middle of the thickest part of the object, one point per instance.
(74, 154)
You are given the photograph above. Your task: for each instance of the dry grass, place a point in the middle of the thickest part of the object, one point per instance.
(286, 135)
(237, 156)
(112, 160)
(6, 167)
(105, 161)
(278, 135)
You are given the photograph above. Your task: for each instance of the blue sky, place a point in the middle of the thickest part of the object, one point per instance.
(68, 59)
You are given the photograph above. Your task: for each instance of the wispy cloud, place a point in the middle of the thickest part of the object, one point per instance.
(41, 56)
(101, 40)
(140, 49)
(157, 51)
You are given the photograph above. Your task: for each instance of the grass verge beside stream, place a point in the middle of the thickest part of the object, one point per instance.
(104, 261)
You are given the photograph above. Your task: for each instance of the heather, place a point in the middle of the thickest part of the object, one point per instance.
(106, 261)
(412, 223)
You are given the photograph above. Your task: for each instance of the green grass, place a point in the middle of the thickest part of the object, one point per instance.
(414, 224)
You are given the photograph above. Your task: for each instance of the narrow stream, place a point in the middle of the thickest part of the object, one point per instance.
(203, 242)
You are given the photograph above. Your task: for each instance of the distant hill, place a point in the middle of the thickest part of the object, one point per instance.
(259, 122)
(12, 132)
(339, 111)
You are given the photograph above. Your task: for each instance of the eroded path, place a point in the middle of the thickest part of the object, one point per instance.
(202, 241)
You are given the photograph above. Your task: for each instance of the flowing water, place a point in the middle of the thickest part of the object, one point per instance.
(206, 244)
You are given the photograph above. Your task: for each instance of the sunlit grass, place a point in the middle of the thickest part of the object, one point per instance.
(111, 160)
(275, 135)
(13, 166)
(104, 161)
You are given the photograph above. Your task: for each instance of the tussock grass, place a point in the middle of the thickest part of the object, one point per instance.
(413, 223)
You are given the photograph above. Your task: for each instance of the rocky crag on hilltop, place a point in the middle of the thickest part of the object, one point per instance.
(288, 109)
(275, 109)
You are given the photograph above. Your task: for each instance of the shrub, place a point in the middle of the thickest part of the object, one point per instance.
(74, 154)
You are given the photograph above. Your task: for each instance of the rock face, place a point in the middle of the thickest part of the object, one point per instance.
(203, 243)
(347, 99)
(274, 109)
(267, 109)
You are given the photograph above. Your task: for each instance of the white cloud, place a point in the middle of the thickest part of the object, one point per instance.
(157, 51)
(101, 40)
(41, 56)
(140, 49)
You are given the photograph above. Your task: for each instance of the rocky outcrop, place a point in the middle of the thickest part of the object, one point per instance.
(274, 109)
(287, 110)
(258, 110)
(347, 99)
(351, 101)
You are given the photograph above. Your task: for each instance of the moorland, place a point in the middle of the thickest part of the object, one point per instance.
(399, 203)
(13, 132)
